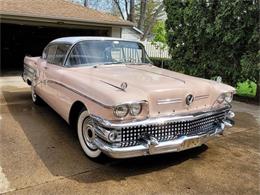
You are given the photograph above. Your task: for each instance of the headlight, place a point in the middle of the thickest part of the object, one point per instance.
(135, 109)
(121, 110)
(228, 97)
(221, 98)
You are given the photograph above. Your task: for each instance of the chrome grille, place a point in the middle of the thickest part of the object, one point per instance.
(168, 131)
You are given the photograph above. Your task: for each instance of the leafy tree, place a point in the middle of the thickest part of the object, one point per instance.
(211, 37)
(159, 35)
(148, 12)
(159, 38)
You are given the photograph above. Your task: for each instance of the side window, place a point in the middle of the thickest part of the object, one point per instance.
(44, 53)
(51, 54)
(56, 53)
(61, 52)
(77, 56)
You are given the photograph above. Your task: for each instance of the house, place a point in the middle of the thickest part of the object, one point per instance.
(27, 26)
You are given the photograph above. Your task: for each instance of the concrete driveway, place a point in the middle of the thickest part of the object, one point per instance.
(39, 154)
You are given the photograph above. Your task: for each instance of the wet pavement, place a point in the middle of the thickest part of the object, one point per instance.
(40, 154)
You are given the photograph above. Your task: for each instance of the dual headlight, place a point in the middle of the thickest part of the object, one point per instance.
(227, 97)
(122, 110)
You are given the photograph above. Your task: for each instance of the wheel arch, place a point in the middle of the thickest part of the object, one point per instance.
(75, 109)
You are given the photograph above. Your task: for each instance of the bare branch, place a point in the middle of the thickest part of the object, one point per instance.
(119, 8)
(126, 9)
(155, 15)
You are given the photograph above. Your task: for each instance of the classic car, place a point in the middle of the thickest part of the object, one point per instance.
(120, 103)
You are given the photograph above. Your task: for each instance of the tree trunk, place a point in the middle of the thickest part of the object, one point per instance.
(142, 15)
(132, 11)
(86, 3)
(151, 24)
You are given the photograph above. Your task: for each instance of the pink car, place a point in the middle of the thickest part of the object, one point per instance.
(122, 105)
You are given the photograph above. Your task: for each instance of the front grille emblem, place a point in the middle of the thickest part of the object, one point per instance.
(189, 99)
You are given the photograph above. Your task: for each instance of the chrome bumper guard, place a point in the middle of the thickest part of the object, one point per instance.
(149, 144)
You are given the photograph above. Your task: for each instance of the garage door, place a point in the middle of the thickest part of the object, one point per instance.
(20, 40)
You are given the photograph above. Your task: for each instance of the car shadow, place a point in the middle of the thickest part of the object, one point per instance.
(58, 148)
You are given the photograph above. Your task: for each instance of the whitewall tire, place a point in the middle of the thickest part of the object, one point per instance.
(86, 135)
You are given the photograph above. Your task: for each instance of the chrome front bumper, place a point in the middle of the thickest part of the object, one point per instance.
(150, 145)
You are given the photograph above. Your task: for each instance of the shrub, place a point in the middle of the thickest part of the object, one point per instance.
(161, 62)
(214, 38)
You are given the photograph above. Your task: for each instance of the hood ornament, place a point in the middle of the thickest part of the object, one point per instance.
(123, 85)
(219, 79)
(189, 99)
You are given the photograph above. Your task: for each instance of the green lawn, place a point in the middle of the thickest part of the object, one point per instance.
(246, 88)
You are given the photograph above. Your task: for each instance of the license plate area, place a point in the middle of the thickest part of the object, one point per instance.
(190, 143)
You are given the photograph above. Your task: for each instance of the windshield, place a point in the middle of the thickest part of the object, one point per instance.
(94, 52)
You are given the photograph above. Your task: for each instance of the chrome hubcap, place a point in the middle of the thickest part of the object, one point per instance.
(88, 134)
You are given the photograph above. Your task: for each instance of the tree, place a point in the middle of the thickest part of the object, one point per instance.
(145, 12)
(148, 12)
(160, 36)
(142, 15)
(209, 38)
(127, 7)
(153, 20)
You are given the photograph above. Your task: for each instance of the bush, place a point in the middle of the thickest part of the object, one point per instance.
(214, 38)
(161, 62)
(246, 88)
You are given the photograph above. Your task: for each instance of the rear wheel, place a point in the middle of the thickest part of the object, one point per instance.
(86, 135)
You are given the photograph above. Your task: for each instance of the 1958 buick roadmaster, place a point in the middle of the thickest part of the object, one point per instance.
(122, 105)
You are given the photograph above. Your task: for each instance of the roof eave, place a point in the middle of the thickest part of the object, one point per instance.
(63, 20)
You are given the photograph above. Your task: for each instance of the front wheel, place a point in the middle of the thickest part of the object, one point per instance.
(86, 135)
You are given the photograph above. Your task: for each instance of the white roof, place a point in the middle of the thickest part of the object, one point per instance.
(74, 40)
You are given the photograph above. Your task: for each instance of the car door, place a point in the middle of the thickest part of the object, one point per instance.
(52, 73)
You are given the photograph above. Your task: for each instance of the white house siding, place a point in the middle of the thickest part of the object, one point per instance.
(131, 34)
(116, 32)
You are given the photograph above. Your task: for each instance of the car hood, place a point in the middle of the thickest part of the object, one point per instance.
(161, 88)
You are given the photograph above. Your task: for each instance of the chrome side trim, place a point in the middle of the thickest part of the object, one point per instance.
(157, 120)
(28, 73)
(169, 101)
(199, 97)
(113, 86)
(79, 93)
